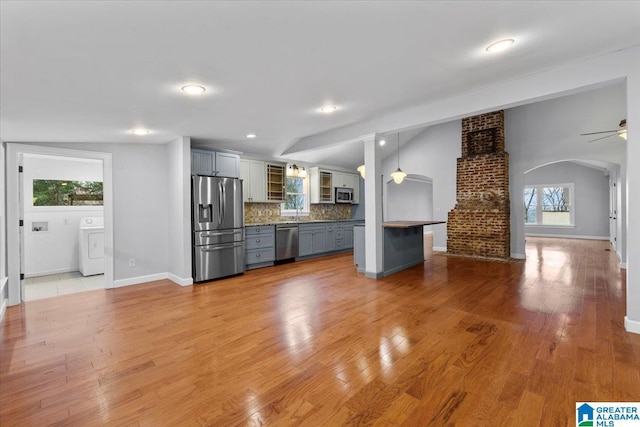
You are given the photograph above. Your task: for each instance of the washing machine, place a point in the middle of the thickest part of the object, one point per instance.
(91, 246)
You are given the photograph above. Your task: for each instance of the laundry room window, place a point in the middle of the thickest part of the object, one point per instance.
(51, 192)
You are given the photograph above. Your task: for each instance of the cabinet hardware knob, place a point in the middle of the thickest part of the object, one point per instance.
(257, 240)
(257, 255)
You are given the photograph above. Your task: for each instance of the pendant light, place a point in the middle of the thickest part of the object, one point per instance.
(398, 175)
(361, 170)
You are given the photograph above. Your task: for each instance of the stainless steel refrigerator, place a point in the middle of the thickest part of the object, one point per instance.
(218, 227)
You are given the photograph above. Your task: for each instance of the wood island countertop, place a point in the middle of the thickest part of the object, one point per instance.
(409, 224)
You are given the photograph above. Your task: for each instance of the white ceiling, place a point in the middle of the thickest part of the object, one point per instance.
(91, 71)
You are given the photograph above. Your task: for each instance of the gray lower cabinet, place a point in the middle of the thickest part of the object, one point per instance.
(260, 246)
(344, 236)
(331, 237)
(312, 239)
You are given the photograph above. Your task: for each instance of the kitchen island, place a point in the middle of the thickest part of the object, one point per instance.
(403, 245)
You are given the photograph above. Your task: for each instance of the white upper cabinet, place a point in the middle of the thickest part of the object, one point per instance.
(254, 184)
(345, 180)
(214, 163)
(322, 184)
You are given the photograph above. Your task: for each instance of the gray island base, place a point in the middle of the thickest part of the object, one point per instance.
(403, 245)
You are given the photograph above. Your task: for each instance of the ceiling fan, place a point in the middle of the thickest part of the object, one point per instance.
(621, 132)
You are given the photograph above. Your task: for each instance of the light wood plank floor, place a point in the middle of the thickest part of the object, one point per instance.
(450, 342)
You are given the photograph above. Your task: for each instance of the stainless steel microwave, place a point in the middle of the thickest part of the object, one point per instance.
(344, 195)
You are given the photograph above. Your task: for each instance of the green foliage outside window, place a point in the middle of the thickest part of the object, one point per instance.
(50, 192)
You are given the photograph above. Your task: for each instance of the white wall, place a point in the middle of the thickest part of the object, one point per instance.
(141, 205)
(55, 250)
(538, 134)
(417, 194)
(179, 220)
(632, 199)
(432, 153)
(590, 199)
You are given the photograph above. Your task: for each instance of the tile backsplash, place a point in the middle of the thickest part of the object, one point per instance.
(256, 213)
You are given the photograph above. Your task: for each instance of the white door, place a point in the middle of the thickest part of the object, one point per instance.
(613, 210)
(22, 225)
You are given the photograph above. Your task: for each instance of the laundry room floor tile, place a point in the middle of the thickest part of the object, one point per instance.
(93, 282)
(69, 286)
(61, 284)
(39, 291)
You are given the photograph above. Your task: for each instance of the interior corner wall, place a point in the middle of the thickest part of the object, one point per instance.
(590, 199)
(179, 230)
(140, 206)
(432, 153)
(536, 134)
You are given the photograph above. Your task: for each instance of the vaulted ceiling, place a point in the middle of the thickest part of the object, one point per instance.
(92, 71)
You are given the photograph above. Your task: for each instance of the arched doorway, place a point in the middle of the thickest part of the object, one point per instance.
(574, 199)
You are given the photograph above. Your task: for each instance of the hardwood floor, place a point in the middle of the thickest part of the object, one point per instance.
(313, 343)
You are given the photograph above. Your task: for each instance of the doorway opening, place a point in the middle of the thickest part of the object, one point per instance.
(63, 230)
(57, 255)
(574, 199)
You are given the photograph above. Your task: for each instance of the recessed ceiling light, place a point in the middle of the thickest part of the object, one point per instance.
(193, 89)
(251, 135)
(499, 46)
(140, 131)
(382, 142)
(328, 109)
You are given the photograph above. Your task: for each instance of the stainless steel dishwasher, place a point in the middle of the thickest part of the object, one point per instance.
(286, 241)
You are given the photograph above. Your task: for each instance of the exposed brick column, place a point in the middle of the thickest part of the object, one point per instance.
(479, 224)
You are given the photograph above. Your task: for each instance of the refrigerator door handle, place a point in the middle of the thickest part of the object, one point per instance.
(219, 248)
(224, 202)
(221, 233)
(220, 198)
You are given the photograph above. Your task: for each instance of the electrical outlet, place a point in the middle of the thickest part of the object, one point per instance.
(132, 262)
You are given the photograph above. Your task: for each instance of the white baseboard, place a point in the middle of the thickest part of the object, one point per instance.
(518, 256)
(428, 232)
(180, 280)
(567, 236)
(3, 305)
(140, 279)
(49, 272)
(439, 249)
(631, 325)
(623, 265)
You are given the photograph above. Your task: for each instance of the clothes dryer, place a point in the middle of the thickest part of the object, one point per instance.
(91, 246)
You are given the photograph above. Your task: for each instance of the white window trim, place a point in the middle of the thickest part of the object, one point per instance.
(572, 211)
(306, 210)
